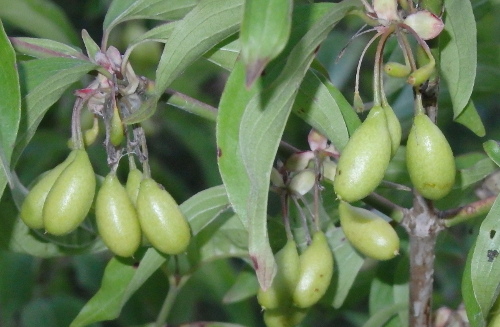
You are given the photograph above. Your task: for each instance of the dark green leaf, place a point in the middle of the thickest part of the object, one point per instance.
(485, 264)
(41, 18)
(10, 106)
(261, 128)
(471, 119)
(459, 52)
(123, 10)
(43, 82)
(210, 22)
(45, 48)
(264, 33)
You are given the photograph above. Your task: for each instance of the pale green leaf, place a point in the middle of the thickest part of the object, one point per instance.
(470, 118)
(261, 128)
(476, 319)
(41, 18)
(344, 274)
(485, 264)
(90, 45)
(477, 172)
(123, 10)
(323, 107)
(264, 33)
(458, 60)
(45, 48)
(10, 106)
(245, 286)
(492, 149)
(44, 81)
(382, 316)
(225, 55)
(210, 22)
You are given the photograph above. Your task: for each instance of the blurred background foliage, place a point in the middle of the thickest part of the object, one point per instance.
(50, 292)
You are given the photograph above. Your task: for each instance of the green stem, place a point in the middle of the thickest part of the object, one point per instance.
(467, 212)
(76, 129)
(191, 105)
(377, 70)
(173, 290)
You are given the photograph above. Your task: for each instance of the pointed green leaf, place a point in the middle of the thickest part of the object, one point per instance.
(458, 60)
(485, 263)
(44, 81)
(261, 128)
(90, 45)
(382, 316)
(41, 18)
(45, 48)
(10, 106)
(264, 33)
(492, 149)
(210, 22)
(470, 118)
(122, 10)
(323, 107)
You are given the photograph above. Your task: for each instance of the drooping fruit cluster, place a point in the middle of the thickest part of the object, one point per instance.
(301, 279)
(62, 198)
(300, 282)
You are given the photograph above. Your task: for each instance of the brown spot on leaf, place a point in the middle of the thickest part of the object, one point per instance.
(219, 152)
(255, 263)
(492, 233)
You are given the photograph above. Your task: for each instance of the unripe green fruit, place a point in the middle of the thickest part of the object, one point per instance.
(329, 169)
(394, 129)
(134, 179)
(32, 208)
(395, 69)
(117, 133)
(369, 233)
(429, 159)
(279, 294)
(161, 220)
(365, 158)
(286, 317)
(116, 218)
(316, 270)
(422, 74)
(90, 134)
(71, 196)
(303, 182)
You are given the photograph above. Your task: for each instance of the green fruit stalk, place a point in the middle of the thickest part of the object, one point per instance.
(71, 196)
(365, 158)
(116, 218)
(316, 270)
(369, 233)
(32, 208)
(279, 294)
(162, 222)
(286, 317)
(134, 179)
(429, 159)
(394, 128)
